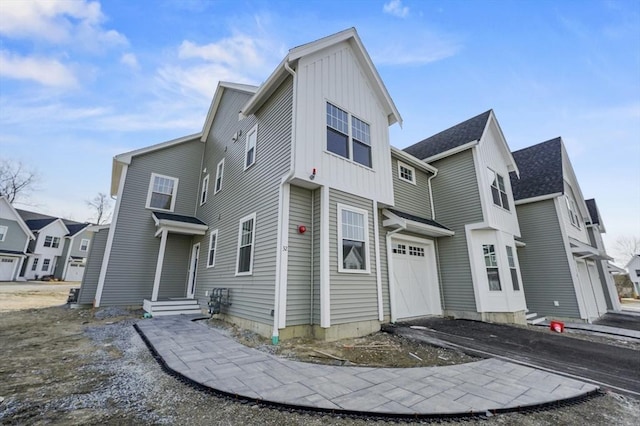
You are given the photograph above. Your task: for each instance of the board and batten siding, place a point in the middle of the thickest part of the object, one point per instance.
(15, 239)
(354, 296)
(546, 275)
(244, 192)
(134, 253)
(334, 75)
(299, 269)
(410, 198)
(92, 270)
(457, 203)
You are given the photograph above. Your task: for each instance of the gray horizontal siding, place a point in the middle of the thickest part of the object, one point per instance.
(175, 268)
(77, 240)
(15, 239)
(245, 192)
(543, 262)
(299, 267)
(384, 263)
(317, 220)
(92, 270)
(354, 297)
(457, 202)
(408, 197)
(132, 263)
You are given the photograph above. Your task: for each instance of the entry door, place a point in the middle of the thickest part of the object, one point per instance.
(193, 271)
(587, 290)
(417, 292)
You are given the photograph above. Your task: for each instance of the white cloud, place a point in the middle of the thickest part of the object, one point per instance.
(58, 21)
(395, 8)
(48, 72)
(130, 60)
(416, 49)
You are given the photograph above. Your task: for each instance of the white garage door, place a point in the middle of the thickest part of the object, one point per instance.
(415, 279)
(75, 272)
(7, 266)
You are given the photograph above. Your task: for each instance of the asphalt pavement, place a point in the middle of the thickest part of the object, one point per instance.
(627, 322)
(612, 367)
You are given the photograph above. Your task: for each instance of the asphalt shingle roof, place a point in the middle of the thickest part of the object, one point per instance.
(38, 224)
(460, 134)
(417, 219)
(593, 210)
(178, 218)
(540, 169)
(74, 228)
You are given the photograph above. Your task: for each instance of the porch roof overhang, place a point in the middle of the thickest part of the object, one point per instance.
(12, 253)
(615, 269)
(584, 251)
(178, 224)
(416, 224)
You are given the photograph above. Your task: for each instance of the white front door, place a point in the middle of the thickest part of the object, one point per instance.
(417, 292)
(596, 284)
(193, 271)
(7, 267)
(587, 290)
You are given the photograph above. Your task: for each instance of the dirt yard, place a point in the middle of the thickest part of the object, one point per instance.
(63, 366)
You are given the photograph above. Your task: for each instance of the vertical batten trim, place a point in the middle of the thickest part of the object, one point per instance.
(160, 262)
(376, 241)
(325, 280)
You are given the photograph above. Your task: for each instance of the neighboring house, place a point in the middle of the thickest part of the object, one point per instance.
(299, 206)
(472, 195)
(59, 247)
(559, 265)
(633, 268)
(14, 240)
(595, 229)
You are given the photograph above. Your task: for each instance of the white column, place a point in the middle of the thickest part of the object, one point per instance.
(156, 280)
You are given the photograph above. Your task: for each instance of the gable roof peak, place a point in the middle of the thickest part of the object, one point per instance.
(541, 170)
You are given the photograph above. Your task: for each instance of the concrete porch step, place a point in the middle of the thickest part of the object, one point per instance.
(533, 319)
(176, 312)
(172, 307)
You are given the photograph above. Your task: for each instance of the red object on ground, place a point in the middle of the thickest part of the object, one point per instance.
(557, 326)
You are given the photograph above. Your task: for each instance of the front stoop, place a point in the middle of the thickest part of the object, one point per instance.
(533, 319)
(171, 307)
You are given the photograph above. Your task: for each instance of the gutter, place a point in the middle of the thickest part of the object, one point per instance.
(280, 290)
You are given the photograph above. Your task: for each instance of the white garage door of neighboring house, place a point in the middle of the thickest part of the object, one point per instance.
(417, 292)
(7, 266)
(75, 272)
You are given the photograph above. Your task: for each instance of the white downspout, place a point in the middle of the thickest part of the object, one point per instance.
(281, 259)
(433, 210)
(392, 287)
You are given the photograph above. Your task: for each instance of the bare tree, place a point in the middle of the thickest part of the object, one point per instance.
(101, 205)
(626, 248)
(16, 181)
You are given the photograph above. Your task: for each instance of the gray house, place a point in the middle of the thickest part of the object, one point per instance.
(14, 240)
(559, 264)
(71, 263)
(298, 206)
(472, 195)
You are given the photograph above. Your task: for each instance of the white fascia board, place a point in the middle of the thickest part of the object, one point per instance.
(413, 161)
(175, 226)
(451, 151)
(21, 222)
(512, 166)
(266, 89)
(538, 198)
(96, 228)
(215, 103)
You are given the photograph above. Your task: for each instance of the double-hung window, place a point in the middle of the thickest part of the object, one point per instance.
(3, 232)
(573, 212)
(213, 244)
(498, 190)
(50, 241)
(45, 264)
(34, 265)
(512, 267)
(353, 239)
(84, 244)
(162, 192)
(219, 175)
(348, 136)
(246, 240)
(250, 147)
(491, 263)
(205, 190)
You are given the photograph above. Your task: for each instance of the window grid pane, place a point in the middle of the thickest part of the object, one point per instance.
(360, 131)
(337, 119)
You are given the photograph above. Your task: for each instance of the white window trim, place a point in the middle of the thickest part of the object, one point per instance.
(205, 190)
(500, 192)
(254, 129)
(572, 208)
(341, 269)
(34, 264)
(46, 263)
(82, 243)
(56, 242)
(253, 244)
(3, 231)
(219, 175)
(497, 267)
(408, 167)
(44, 243)
(514, 267)
(349, 135)
(215, 249)
(173, 196)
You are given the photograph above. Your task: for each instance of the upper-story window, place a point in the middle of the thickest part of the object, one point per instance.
(250, 147)
(162, 192)
(246, 240)
(3, 232)
(353, 239)
(219, 174)
(573, 212)
(213, 244)
(498, 190)
(53, 242)
(348, 136)
(406, 173)
(512, 267)
(491, 263)
(205, 190)
(84, 244)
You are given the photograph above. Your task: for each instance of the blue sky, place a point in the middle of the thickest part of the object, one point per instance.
(81, 81)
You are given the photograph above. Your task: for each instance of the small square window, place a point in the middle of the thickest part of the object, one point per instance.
(406, 173)
(162, 192)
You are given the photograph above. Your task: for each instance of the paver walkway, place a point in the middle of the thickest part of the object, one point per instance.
(207, 356)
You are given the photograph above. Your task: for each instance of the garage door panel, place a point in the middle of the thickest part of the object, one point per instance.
(75, 272)
(7, 268)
